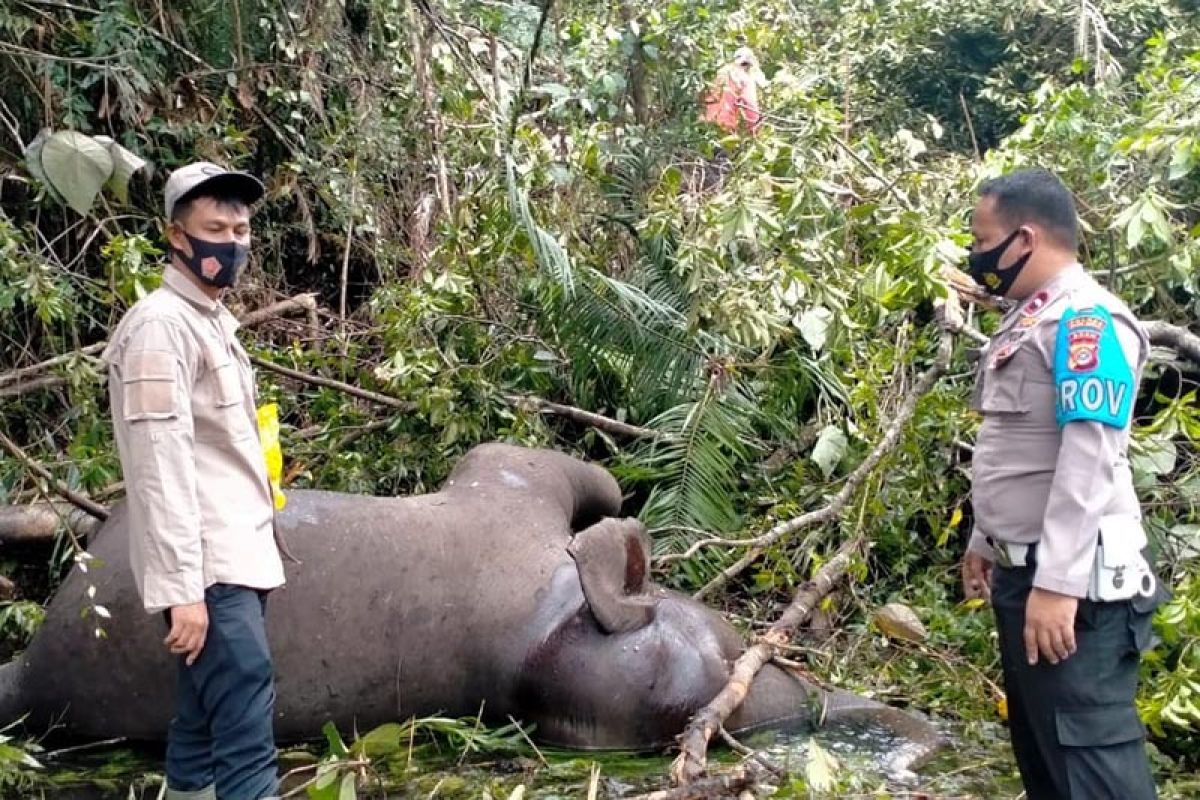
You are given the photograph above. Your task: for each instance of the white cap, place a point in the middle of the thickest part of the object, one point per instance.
(204, 176)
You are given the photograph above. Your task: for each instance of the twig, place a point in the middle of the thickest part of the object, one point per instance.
(690, 763)
(970, 126)
(346, 256)
(891, 438)
(529, 741)
(301, 302)
(24, 372)
(741, 749)
(1183, 341)
(329, 383)
(599, 421)
(79, 748)
(79, 501)
(716, 786)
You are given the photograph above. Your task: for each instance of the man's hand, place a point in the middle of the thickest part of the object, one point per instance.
(189, 627)
(1049, 625)
(977, 577)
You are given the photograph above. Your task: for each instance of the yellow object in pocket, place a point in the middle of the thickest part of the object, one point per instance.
(268, 435)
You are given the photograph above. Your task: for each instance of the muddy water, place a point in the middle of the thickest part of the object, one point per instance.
(976, 764)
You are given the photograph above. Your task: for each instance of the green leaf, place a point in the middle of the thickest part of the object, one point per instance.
(829, 450)
(77, 166)
(1154, 456)
(348, 790)
(820, 768)
(381, 742)
(337, 747)
(33, 160)
(125, 163)
(814, 326)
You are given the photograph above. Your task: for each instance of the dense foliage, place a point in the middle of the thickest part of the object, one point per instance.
(497, 226)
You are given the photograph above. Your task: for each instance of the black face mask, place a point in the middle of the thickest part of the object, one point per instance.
(985, 268)
(230, 256)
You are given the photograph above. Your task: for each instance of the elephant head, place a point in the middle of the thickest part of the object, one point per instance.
(622, 663)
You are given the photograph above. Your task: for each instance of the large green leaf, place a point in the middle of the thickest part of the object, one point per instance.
(125, 163)
(831, 446)
(77, 166)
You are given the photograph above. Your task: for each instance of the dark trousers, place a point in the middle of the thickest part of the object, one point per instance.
(1075, 731)
(225, 702)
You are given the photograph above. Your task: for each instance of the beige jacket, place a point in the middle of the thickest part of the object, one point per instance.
(1031, 480)
(183, 408)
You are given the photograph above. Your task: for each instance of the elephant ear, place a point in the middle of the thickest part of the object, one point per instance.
(613, 560)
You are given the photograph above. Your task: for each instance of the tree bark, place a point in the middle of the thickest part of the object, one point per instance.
(39, 522)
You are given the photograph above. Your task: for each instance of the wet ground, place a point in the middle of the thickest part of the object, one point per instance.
(976, 764)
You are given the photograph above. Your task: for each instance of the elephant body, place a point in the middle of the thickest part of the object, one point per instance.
(512, 590)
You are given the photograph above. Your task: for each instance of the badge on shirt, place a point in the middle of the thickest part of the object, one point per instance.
(1093, 379)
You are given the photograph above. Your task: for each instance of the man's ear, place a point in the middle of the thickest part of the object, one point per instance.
(176, 238)
(613, 560)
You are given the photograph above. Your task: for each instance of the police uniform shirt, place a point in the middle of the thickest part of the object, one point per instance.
(1056, 386)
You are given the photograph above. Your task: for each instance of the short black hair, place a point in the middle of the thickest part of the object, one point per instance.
(1036, 196)
(183, 205)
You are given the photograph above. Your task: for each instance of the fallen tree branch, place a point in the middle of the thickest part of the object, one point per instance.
(38, 522)
(689, 765)
(891, 438)
(34, 385)
(329, 383)
(717, 786)
(25, 372)
(301, 302)
(15, 382)
(74, 498)
(533, 404)
(1179, 339)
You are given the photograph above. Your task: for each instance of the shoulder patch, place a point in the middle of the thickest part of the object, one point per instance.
(1094, 381)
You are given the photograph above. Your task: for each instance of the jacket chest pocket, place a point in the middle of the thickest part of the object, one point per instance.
(1001, 388)
(219, 410)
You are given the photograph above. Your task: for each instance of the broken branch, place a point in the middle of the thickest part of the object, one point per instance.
(79, 501)
(689, 765)
(38, 522)
(301, 302)
(716, 786)
(329, 383)
(891, 438)
(533, 404)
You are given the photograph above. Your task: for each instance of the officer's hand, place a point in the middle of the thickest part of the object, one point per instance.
(189, 628)
(1049, 626)
(976, 577)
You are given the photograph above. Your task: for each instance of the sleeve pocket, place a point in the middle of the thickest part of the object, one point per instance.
(148, 378)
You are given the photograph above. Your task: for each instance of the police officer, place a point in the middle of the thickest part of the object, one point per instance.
(1058, 545)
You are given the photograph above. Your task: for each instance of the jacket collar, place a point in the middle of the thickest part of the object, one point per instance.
(180, 284)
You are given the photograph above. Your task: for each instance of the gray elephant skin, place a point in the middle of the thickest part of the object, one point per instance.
(513, 589)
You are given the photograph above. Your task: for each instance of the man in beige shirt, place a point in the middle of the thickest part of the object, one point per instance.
(201, 512)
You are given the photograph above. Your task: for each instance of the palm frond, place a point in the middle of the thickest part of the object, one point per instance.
(698, 465)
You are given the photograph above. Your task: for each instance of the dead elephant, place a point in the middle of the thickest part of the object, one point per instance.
(512, 589)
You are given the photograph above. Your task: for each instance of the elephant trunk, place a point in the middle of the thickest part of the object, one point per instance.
(779, 699)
